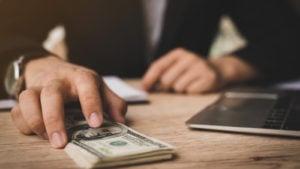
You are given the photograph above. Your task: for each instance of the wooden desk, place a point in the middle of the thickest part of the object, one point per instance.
(164, 118)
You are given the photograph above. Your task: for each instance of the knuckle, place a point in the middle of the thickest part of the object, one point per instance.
(55, 88)
(179, 50)
(195, 58)
(36, 125)
(52, 87)
(86, 72)
(27, 93)
(185, 54)
(84, 75)
(48, 91)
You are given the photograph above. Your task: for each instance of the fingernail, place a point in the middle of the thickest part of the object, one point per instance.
(57, 140)
(94, 120)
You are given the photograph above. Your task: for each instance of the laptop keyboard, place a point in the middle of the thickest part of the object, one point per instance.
(278, 114)
(275, 119)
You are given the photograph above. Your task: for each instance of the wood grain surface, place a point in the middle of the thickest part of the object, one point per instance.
(163, 118)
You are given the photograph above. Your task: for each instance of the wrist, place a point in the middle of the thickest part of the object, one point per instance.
(234, 70)
(14, 78)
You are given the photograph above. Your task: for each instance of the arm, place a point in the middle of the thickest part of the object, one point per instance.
(50, 81)
(272, 30)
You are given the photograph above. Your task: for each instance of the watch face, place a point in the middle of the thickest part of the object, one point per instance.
(10, 80)
(13, 79)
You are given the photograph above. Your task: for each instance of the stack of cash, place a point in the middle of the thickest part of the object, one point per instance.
(112, 144)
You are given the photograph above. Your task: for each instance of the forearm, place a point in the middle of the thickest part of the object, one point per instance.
(273, 36)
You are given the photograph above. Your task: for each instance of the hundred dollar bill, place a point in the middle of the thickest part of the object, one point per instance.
(112, 144)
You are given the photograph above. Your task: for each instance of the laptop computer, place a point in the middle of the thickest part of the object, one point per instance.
(252, 110)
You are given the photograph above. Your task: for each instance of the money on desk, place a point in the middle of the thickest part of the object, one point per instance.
(112, 144)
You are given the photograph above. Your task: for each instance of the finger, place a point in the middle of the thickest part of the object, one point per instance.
(19, 121)
(29, 101)
(158, 67)
(87, 87)
(175, 71)
(185, 80)
(202, 78)
(52, 101)
(196, 71)
(205, 83)
(116, 106)
(197, 86)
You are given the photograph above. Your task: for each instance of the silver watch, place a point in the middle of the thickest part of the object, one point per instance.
(14, 80)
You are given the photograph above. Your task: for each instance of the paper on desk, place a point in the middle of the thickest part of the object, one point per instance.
(123, 90)
(7, 104)
(290, 85)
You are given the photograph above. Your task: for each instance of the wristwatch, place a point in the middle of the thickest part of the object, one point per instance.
(14, 79)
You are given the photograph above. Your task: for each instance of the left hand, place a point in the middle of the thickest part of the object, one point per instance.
(183, 71)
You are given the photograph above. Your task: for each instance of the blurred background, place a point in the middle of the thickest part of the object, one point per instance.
(227, 40)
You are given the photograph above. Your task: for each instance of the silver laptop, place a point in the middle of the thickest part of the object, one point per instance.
(258, 111)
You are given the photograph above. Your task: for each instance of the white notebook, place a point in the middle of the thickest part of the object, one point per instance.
(123, 90)
(7, 104)
(116, 84)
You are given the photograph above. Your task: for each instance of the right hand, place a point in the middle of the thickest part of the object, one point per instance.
(51, 82)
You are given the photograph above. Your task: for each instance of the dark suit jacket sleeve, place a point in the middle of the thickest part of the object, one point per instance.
(273, 34)
(24, 26)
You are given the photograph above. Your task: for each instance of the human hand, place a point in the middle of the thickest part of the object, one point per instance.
(182, 71)
(51, 82)
(185, 72)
